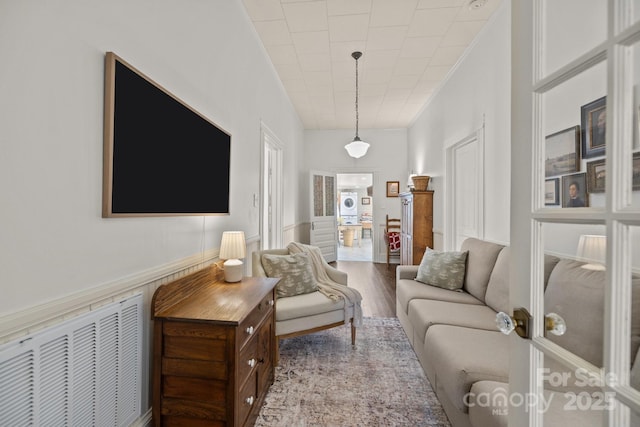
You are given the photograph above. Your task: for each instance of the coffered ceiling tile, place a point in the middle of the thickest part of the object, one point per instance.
(411, 66)
(378, 59)
(317, 78)
(462, 33)
(447, 55)
(431, 22)
(311, 42)
(294, 85)
(348, 28)
(436, 73)
(384, 38)
(264, 10)
(289, 71)
(306, 16)
(273, 32)
(419, 47)
(282, 54)
(403, 82)
(351, 7)
(377, 76)
(315, 62)
(437, 4)
(374, 89)
(388, 13)
(397, 95)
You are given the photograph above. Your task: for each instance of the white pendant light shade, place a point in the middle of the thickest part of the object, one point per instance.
(357, 148)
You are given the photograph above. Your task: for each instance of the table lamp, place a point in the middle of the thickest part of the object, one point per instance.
(232, 249)
(592, 249)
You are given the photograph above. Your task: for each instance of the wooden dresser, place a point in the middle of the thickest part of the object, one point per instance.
(213, 350)
(416, 227)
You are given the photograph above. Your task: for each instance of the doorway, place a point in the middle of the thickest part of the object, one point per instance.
(355, 216)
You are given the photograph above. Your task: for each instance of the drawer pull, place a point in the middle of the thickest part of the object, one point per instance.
(250, 330)
(249, 400)
(251, 362)
(272, 303)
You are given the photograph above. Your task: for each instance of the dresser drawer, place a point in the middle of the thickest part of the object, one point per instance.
(249, 327)
(247, 398)
(248, 358)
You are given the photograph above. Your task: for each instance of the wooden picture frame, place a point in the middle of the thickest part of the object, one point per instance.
(393, 188)
(552, 192)
(596, 175)
(562, 152)
(579, 180)
(366, 200)
(594, 126)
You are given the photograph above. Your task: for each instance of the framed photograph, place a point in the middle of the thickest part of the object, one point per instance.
(596, 174)
(562, 152)
(393, 188)
(366, 200)
(552, 192)
(574, 191)
(636, 171)
(594, 125)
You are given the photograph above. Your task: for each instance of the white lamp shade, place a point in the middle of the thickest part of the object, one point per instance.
(233, 245)
(357, 148)
(592, 248)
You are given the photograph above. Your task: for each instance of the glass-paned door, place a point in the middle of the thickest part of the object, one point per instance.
(576, 156)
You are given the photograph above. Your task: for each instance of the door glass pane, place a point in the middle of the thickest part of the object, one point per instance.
(574, 148)
(575, 286)
(572, 28)
(573, 397)
(635, 309)
(635, 185)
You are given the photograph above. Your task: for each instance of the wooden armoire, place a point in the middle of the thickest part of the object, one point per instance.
(416, 232)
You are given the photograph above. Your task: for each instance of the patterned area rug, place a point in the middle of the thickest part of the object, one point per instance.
(323, 381)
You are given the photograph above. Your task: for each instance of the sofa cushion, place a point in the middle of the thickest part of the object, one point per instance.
(295, 271)
(409, 289)
(497, 296)
(306, 305)
(489, 404)
(442, 269)
(480, 261)
(463, 356)
(424, 313)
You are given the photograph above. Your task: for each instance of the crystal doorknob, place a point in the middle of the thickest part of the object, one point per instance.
(555, 324)
(505, 323)
(520, 322)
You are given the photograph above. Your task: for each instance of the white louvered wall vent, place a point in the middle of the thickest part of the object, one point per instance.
(83, 372)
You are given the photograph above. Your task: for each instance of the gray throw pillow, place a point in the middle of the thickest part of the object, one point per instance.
(443, 269)
(295, 271)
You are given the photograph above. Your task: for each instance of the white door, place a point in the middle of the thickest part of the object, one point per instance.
(465, 172)
(566, 56)
(324, 230)
(271, 211)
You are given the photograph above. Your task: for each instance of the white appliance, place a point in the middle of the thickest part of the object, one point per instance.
(348, 204)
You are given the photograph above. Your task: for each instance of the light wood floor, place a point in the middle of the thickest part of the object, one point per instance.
(376, 283)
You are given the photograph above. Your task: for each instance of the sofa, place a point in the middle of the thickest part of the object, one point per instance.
(466, 358)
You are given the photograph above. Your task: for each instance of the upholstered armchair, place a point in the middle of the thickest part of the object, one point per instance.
(311, 311)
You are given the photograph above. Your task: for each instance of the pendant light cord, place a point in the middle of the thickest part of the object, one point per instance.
(356, 56)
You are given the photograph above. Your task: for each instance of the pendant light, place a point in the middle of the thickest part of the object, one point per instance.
(357, 148)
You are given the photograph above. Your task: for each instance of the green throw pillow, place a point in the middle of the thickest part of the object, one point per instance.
(295, 271)
(443, 269)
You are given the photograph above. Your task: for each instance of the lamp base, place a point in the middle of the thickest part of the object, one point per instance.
(233, 270)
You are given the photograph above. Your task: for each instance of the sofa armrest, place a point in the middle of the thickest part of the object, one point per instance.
(336, 275)
(406, 272)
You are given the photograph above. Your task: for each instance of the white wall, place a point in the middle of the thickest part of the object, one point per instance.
(386, 159)
(54, 241)
(477, 90)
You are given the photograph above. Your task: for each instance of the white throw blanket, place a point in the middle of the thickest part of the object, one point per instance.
(327, 286)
